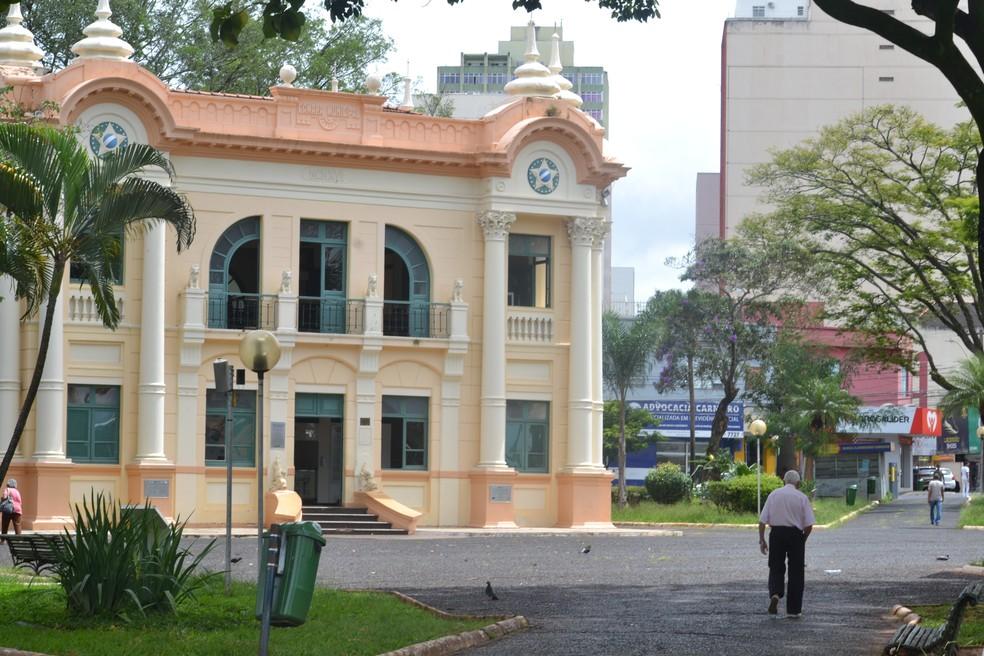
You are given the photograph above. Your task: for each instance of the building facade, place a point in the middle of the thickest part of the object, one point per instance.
(435, 285)
(476, 83)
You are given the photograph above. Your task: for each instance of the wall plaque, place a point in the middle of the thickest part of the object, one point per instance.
(500, 493)
(278, 434)
(157, 488)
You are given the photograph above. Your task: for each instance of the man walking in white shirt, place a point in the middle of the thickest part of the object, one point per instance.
(965, 480)
(789, 515)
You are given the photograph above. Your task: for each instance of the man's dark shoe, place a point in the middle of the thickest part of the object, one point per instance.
(774, 604)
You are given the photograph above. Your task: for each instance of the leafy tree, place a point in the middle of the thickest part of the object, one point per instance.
(74, 208)
(434, 104)
(817, 406)
(636, 419)
(940, 47)
(755, 281)
(170, 38)
(682, 318)
(284, 18)
(627, 348)
(967, 392)
(787, 363)
(883, 208)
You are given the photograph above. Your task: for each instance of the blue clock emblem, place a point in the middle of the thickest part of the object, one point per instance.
(107, 137)
(543, 175)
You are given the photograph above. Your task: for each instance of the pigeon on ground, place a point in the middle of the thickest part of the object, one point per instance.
(235, 560)
(489, 592)
(586, 548)
(944, 557)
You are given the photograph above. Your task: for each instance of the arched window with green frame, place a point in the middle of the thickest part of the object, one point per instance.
(234, 277)
(406, 286)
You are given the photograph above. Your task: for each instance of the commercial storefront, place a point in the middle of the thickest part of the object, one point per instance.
(881, 448)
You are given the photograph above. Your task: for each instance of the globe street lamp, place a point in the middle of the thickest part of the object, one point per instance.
(260, 352)
(757, 428)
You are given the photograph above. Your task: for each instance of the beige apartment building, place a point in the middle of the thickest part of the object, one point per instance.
(435, 285)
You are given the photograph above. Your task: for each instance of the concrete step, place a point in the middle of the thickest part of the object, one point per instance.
(363, 531)
(327, 510)
(338, 517)
(373, 523)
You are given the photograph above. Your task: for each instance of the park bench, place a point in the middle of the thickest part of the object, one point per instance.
(916, 639)
(37, 552)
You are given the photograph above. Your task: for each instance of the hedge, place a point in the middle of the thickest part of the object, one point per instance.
(740, 494)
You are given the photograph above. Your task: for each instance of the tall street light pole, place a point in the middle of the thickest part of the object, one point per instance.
(260, 352)
(757, 428)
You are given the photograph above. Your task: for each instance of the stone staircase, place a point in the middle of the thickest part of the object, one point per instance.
(335, 520)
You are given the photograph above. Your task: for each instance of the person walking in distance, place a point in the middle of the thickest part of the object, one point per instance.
(965, 480)
(789, 515)
(934, 494)
(10, 507)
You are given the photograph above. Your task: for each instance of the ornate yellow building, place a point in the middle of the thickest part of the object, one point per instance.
(435, 285)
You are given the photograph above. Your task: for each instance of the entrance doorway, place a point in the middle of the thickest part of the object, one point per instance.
(318, 462)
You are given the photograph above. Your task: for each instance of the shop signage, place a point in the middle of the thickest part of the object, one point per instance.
(896, 421)
(865, 447)
(674, 418)
(923, 446)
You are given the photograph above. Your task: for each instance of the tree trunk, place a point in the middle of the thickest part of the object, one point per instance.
(622, 495)
(787, 455)
(32, 390)
(808, 468)
(719, 425)
(693, 412)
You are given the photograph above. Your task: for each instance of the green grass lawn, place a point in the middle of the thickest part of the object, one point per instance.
(971, 631)
(34, 619)
(826, 510)
(972, 514)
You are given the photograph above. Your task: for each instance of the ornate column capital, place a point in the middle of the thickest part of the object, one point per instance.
(602, 229)
(583, 230)
(496, 223)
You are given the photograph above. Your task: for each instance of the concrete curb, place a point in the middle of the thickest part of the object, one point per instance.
(453, 644)
(836, 522)
(14, 652)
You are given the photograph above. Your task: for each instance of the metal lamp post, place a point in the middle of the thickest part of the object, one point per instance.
(260, 352)
(757, 428)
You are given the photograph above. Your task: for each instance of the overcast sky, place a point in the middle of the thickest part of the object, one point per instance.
(665, 80)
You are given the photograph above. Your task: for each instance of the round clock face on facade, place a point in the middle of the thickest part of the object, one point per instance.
(107, 137)
(543, 175)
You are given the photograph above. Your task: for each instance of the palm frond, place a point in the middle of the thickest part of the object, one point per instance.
(136, 199)
(38, 151)
(968, 387)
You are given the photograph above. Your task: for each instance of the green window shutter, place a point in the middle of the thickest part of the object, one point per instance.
(78, 434)
(105, 435)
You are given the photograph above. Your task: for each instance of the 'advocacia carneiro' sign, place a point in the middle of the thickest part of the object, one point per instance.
(674, 417)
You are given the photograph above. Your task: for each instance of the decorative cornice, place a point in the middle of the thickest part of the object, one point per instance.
(496, 224)
(583, 230)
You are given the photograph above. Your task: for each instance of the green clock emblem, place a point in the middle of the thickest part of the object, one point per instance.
(543, 175)
(107, 137)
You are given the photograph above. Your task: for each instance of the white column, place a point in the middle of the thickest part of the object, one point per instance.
(150, 434)
(597, 295)
(492, 451)
(49, 442)
(581, 231)
(9, 360)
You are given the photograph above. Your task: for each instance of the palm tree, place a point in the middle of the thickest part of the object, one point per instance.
(63, 205)
(627, 349)
(967, 392)
(816, 407)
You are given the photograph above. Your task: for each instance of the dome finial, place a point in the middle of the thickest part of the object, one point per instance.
(532, 77)
(407, 104)
(565, 94)
(102, 38)
(17, 47)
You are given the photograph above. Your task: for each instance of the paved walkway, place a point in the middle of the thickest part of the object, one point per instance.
(700, 592)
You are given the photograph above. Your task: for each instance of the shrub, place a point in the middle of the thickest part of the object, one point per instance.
(634, 494)
(667, 484)
(740, 494)
(117, 560)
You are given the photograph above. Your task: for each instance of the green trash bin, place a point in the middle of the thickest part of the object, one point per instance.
(852, 494)
(872, 485)
(297, 570)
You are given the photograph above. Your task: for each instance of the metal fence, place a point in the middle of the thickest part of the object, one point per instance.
(242, 311)
(414, 319)
(331, 315)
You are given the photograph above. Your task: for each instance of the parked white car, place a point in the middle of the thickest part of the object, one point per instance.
(950, 483)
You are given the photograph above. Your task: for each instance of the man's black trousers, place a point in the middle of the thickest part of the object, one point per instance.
(787, 542)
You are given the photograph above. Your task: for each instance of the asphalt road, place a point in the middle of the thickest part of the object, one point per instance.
(702, 593)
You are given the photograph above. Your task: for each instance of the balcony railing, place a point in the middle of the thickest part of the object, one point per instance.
(330, 315)
(242, 311)
(413, 319)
